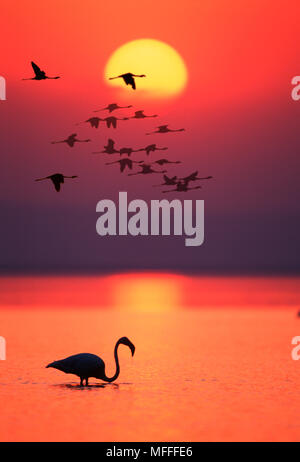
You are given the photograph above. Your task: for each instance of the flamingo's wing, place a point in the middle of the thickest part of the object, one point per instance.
(129, 80)
(122, 166)
(36, 69)
(56, 183)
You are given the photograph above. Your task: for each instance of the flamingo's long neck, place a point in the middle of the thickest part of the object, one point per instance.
(111, 379)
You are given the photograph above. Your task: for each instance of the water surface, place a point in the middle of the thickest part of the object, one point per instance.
(212, 363)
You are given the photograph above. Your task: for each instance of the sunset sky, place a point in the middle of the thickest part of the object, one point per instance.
(241, 124)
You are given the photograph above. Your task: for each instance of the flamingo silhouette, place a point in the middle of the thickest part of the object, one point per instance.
(127, 151)
(109, 148)
(112, 121)
(152, 148)
(93, 121)
(57, 179)
(182, 187)
(128, 78)
(166, 161)
(165, 129)
(141, 115)
(86, 365)
(125, 163)
(39, 74)
(112, 107)
(71, 140)
(168, 181)
(193, 177)
(146, 169)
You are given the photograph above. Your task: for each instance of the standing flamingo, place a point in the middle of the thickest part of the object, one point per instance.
(128, 78)
(57, 179)
(86, 365)
(165, 129)
(112, 107)
(39, 74)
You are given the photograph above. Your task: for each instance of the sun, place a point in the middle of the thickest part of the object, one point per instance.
(166, 73)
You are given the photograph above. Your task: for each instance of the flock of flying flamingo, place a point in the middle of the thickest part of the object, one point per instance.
(87, 365)
(145, 168)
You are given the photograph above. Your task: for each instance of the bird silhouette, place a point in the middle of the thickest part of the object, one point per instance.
(127, 151)
(165, 129)
(125, 163)
(181, 186)
(152, 148)
(71, 140)
(57, 179)
(109, 148)
(112, 107)
(112, 121)
(128, 78)
(141, 115)
(193, 177)
(146, 169)
(93, 121)
(168, 181)
(86, 365)
(166, 161)
(39, 74)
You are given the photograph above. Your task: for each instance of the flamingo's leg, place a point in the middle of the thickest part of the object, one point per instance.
(81, 381)
(87, 382)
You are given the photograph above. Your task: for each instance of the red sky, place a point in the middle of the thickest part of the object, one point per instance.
(241, 125)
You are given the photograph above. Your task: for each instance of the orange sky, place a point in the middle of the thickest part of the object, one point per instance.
(242, 126)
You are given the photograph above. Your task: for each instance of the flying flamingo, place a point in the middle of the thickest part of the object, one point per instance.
(165, 129)
(86, 365)
(57, 179)
(71, 140)
(193, 177)
(112, 121)
(146, 169)
(93, 121)
(128, 78)
(182, 187)
(141, 115)
(112, 107)
(168, 181)
(166, 161)
(127, 151)
(125, 163)
(109, 148)
(152, 148)
(39, 74)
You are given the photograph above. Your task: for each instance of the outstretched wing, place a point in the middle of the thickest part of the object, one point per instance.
(129, 80)
(36, 69)
(56, 183)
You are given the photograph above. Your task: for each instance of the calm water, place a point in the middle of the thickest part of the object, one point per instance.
(212, 363)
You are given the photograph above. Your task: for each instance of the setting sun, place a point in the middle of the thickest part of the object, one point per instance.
(164, 68)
